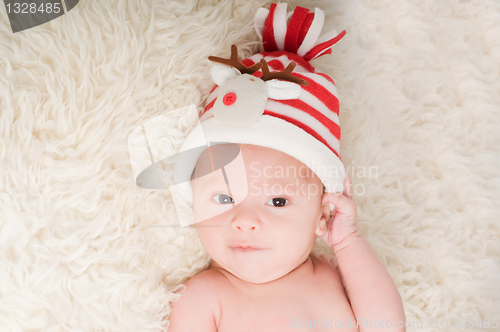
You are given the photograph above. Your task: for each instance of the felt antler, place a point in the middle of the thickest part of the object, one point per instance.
(234, 62)
(282, 75)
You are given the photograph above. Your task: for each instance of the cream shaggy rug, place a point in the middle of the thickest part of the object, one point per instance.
(82, 247)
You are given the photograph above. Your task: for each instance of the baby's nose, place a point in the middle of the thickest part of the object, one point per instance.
(246, 221)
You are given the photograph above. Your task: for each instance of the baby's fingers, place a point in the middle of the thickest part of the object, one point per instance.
(344, 206)
(347, 186)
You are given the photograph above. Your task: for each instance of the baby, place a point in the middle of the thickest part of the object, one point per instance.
(264, 190)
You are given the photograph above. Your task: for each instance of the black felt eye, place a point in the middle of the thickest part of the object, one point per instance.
(223, 199)
(278, 202)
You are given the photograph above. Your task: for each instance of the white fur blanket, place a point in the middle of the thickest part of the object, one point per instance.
(419, 92)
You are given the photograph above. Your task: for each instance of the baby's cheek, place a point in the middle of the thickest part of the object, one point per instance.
(196, 212)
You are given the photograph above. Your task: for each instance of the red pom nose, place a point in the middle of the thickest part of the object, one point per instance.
(229, 99)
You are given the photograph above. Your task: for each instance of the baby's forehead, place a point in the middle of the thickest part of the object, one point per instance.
(258, 161)
(280, 170)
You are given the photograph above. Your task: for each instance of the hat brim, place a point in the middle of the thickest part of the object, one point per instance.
(267, 131)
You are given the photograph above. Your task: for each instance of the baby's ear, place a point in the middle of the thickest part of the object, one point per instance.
(322, 227)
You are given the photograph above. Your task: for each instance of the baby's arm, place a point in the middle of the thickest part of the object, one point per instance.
(371, 292)
(195, 309)
(367, 283)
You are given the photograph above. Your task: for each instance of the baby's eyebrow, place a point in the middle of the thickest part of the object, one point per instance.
(294, 183)
(207, 181)
(291, 182)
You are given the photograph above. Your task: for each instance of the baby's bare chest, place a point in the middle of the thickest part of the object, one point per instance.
(316, 302)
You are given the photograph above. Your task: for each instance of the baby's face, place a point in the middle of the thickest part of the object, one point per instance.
(280, 215)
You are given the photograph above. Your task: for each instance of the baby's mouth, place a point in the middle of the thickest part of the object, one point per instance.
(245, 248)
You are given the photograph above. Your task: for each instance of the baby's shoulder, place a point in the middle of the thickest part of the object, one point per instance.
(328, 259)
(200, 297)
(208, 277)
(328, 263)
(209, 282)
(203, 281)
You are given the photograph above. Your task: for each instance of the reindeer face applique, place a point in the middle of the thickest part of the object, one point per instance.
(242, 97)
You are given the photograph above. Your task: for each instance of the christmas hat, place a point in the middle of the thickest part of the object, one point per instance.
(276, 98)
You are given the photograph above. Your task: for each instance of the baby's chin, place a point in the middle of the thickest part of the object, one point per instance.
(256, 274)
(256, 278)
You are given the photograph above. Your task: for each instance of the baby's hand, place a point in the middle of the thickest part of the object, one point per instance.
(343, 220)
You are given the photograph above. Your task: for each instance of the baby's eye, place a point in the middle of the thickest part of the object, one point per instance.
(223, 199)
(278, 202)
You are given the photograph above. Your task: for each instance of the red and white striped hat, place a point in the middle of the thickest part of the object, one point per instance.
(276, 98)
